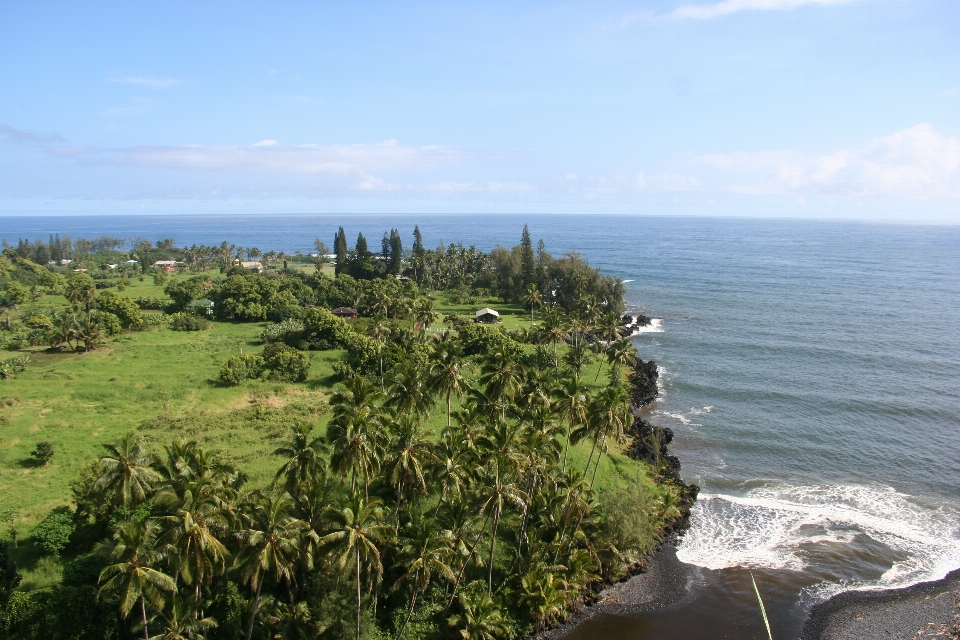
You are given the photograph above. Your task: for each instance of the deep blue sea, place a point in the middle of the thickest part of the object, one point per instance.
(810, 371)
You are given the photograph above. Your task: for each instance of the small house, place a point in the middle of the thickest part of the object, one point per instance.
(487, 316)
(345, 312)
(167, 265)
(255, 267)
(202, 307)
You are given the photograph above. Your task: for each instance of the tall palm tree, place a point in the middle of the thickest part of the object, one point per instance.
(126, 471)
(271, 548)
(621, 354)
(410, 391)
(132, 577)
(425, 551)
(533, 298)
(572, 407)
(356, 535)
(609, 411)
(500, 377)
(423, 314)
(355, 432)
(446, 374)
(499, 489)
(193, 528)
(411, 453)
(303, 458)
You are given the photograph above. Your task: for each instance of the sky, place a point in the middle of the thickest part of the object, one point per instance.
(771, 108)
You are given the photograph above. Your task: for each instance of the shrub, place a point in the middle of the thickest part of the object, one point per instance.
(14, 365)
(289, 331)
(159, 278)
(53, 532)
(181, 321)
(286, 364)
(125, 309)
(240, 368)
(110, 323)
(9, 576)
(43, 452)
(152, 304)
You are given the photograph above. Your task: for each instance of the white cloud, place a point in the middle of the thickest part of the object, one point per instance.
(150, 82)
(27, 137)
(915, 162)
(727, 7)
(272, 157)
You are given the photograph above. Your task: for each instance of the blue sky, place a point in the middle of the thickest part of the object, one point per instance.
(801, 108)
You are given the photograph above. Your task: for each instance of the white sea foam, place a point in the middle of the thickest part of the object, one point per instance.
(655, 326)
(777, 525)
(626, 281)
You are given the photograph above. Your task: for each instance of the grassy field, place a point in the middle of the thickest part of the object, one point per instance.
(164, 384)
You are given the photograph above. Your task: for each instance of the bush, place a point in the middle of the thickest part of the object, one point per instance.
(181, 321)
(83, 570)
(286, 364)
(43, 452)
(14, 365)
(110, 323)
(240, 368)
(9, 576)
(53, 532)
(289, 331)
(125, 309)
(152, 304)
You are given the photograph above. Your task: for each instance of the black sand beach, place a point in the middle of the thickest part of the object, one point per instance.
(925, 610)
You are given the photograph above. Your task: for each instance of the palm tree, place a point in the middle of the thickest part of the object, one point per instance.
(556, 331)
(425, 551)
(302, 458)
(423, 314)
(479, 618)
(621, 354)
(132, 576)
(271, 548)
(499, 488)
(354, 535)
(180, 621)
(355, 432)
(126, 471)
(197, 520)
(532, 297)
(412, 451)
(446, 373)
(409, 392)
(609, 412)
(572, 406)
(454, 454)
(500, 377)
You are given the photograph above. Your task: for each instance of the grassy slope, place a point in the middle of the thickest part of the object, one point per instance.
(163, 383)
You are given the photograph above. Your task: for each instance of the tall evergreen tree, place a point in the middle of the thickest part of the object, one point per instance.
(417, 255)
(394, 262)
(340, 248)
(528, 268)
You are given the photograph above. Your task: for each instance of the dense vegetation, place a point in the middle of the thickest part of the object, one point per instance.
(424, 482)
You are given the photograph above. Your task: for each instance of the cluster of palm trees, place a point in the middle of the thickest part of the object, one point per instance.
(489, 527)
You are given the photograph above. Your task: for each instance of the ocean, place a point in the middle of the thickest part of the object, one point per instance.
(810, 371)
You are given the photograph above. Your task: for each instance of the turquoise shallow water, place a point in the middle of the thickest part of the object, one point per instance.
(810, 370)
